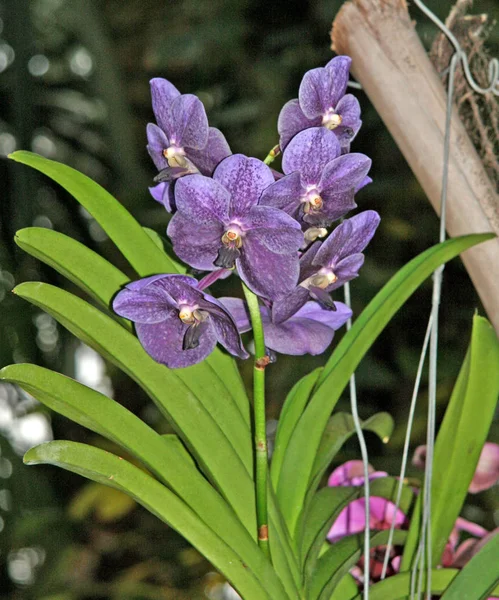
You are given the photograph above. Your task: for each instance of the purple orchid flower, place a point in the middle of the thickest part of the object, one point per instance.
(181, 143)
(352, 519)
(309, 331)
(219, 224)
(176, 323)
(328, 265)
(320, 184)
(322, 102)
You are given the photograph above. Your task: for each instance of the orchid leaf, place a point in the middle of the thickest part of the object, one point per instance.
(106, 468)
(461, 436)
(339, 429)
(347, 588)
(84, 267)
(292, 409)
(479, 576)
(137, 246)
(398, 587)
(164, 456)
(306, 438)
(195, 408)
(340, 557)
(128, 235)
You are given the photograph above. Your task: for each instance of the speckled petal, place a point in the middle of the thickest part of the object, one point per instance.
(156, 143)
(196, 244)
(146, 306)
(163, 193)
(350, 237)
(163, 93)
(245, 179)
(309, 152)
(189, 122)
(164, 342)
(292, 120)
(284, 194)
(344, 173)
(266, 273)
(309, 331)
(322, 88)
(275, 229)
(202, 200)
(225, 326)
(346, 270)
(238, 311)
(286, 306)
(212, 154)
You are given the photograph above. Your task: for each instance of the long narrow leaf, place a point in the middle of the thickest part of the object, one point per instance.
(340, 557)
(138, 247)
(291, 412)
(461, 436)
(196, 420)
(104, 467)
(398, 587)
(478, 577)
(305, 441)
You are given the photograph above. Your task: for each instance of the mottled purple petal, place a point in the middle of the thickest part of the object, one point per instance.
(212, 154)
(349, 110)
(164, 342)
(487, 470)
(202, 199)
(322, 88)
(266, 273)
(224, 326)
(307, 267)
(309, 331)
(189, 122)
(163, 93)
(284, 194)
(334, 207)
(156, 143)
(196, 244)
(366, 181)
(335, 319)
(344, 173)
(291, 121)
(239, 312)
(275, 229)
(309, 152)
(286, 306)
(163, 193)
(346, 270)
(350, 237)
(340, 65)
(147, 306)
(245, 179)
(141, 284)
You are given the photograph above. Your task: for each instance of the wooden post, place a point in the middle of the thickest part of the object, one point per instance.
(391, 64)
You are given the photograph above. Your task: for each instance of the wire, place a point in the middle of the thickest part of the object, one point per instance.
(365, 464)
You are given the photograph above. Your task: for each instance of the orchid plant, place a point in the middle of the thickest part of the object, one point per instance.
(271, 527)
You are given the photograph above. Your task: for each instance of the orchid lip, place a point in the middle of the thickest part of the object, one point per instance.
(322, 279)
(331, 120)
(312, 201)
(313, 233)
(190, 315)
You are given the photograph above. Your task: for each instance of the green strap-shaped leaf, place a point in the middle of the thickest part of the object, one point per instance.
(164, 456)
(196, 418)
(461, 436)
(85, 268)
(347, 588)
(479, 577)
(339, 429)
(291, 412)
(108, 469)
(102, 281)
(326, 507)
(398, 587)
(305, 441)
(340, 557)
(136, 245)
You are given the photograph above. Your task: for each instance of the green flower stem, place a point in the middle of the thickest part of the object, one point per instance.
(272, 155)
(261, 458)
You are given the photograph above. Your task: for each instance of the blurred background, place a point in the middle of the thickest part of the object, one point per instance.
(74, 87)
